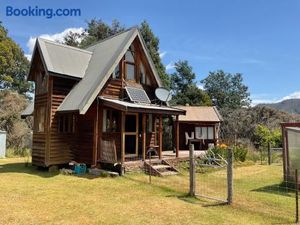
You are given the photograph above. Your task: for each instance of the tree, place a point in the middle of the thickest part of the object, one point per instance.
(263, 136)
(184, 86)
(11, 105)
(13, 65)
(227, 89)
(152, 43)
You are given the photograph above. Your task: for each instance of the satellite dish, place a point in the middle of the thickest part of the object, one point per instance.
(163, 94)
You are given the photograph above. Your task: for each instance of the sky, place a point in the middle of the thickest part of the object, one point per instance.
(258, 38)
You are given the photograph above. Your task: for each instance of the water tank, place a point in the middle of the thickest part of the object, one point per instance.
(2, 143)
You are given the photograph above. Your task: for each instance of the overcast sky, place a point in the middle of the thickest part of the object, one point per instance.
(258, 38)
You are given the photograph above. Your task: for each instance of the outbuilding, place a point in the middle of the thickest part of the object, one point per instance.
(201, 123)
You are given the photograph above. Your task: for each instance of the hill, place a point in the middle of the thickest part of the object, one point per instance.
(290, 105)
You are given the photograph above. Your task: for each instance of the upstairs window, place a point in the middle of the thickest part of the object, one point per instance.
(142, 74)
(130, 63)
(116, 74)
(41, 83)
(66, 124)
(40, 119)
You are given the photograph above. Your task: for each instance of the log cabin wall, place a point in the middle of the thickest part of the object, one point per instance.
(41, 112)
(61, 144)
(39, 138)
(85, 136)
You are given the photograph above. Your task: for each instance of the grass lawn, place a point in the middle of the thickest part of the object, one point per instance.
(29, 196)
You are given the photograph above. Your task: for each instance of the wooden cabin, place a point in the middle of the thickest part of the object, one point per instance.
(90, 100)
(201, 124)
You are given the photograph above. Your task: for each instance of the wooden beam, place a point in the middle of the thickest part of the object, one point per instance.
(122, 137)
(177, 136)
(160, 137)
(144, 136)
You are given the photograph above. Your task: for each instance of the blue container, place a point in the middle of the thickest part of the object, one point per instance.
(80, 168)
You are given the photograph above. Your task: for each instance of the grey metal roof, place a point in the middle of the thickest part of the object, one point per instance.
(28, 111)
(131, 105)
(106, 55)
(200, 113)
(64, 59)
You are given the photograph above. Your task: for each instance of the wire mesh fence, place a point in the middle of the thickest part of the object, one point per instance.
(258, 188)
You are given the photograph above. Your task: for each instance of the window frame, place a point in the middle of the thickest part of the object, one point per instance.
(66, 124)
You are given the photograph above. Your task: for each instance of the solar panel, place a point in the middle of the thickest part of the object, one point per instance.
(137, 95)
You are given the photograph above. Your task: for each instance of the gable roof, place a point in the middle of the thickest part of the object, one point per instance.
(105, 57)
(63, 59)
(200, 114)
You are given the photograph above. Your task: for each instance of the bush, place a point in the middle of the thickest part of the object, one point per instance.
(23, 152)
(239, 152)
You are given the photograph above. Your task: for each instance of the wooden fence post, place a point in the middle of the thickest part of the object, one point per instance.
(296, 195)
(229, 176)
(192, 171)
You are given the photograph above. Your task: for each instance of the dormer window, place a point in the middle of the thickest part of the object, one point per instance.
(130, 63)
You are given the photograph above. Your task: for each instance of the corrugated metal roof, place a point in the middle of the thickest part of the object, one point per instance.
(106, 56)
(28, 111)
(64, 59)
(132, 105)
(200, 113)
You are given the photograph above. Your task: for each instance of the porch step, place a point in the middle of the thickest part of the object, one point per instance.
(169, 173)
(160, 168)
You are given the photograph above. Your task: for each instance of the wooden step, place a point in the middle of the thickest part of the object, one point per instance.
(161, 166)
(168, 173)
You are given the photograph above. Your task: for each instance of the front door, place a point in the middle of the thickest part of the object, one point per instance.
(131, 134)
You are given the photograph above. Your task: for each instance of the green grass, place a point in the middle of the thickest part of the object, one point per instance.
(29, 196)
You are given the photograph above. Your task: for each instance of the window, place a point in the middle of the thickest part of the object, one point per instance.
(116, 73)
(110, 121)
(41, 83)
(40, 119)
(204, 132)
(142, 74)
(66, 124)
(130, 63)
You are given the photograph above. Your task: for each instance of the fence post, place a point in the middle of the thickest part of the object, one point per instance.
(269, 154)
(296, 195)
(192, 171)
(229, 176)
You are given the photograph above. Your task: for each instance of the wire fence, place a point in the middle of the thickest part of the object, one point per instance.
(257, 187)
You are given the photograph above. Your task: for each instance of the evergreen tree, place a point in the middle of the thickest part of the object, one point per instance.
(184, 87)
(152, 43)
(227, 89)
(14, 65)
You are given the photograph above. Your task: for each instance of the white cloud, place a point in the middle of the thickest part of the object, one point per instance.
(28, 56)
(263, 98)
(200, 86)
(162, 54)
(52, 37)
(292, 96)
(170, 66)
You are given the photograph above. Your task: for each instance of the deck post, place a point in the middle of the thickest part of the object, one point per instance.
(177, 136)
(122, 137)
(160, 136)
(144, 136)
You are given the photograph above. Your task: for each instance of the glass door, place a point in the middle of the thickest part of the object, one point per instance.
(131, 134)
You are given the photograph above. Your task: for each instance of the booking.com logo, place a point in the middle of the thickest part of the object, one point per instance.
(41, 12)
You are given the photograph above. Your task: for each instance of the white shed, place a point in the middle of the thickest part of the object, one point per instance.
(2, 143)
